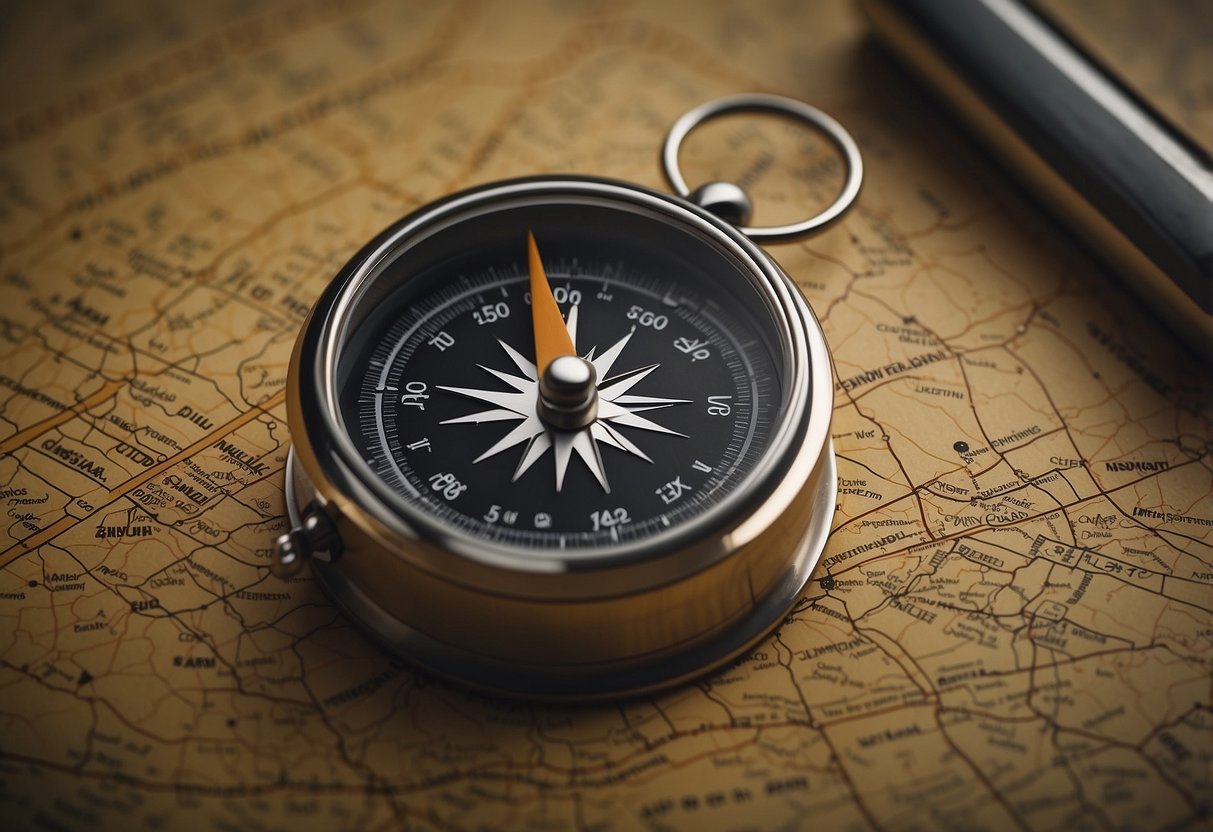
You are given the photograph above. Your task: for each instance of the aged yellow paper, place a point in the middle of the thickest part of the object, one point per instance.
(1012, 625)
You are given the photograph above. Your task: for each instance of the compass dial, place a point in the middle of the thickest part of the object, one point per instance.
(446, 403)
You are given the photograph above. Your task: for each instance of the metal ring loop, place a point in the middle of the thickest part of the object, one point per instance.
(752, 102)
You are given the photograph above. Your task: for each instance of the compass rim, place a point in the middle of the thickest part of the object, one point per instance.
(363, 495)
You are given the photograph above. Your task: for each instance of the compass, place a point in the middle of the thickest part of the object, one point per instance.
(564, 436)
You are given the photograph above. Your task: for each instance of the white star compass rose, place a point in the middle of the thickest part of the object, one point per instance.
(564, 408)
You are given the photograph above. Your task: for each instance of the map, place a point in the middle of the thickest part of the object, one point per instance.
(1011, 626)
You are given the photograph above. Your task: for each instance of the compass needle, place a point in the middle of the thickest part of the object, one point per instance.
(552, 338)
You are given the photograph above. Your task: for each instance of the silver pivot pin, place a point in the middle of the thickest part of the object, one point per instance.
(312, 533)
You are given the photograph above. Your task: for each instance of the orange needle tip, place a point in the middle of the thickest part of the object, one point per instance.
(551, 334)
(532, 251)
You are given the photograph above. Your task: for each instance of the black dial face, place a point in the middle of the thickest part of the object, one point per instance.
(441, 394)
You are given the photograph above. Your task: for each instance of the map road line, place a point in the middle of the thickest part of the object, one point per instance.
(63, 524)
(20, 438)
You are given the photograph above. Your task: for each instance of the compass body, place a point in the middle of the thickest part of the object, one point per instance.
(667, 527)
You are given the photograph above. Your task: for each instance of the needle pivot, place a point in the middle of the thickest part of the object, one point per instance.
(568, 393)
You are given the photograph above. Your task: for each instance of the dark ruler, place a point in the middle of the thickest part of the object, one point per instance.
(1129, 183)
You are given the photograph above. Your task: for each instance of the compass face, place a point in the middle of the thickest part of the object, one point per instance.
(439, 378)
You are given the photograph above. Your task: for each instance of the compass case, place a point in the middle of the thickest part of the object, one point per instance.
(608, 622)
